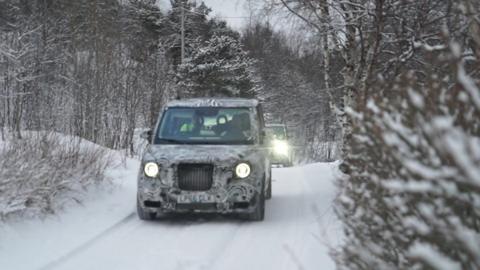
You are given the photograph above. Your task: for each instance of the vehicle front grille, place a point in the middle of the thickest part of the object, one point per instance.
(195, 177)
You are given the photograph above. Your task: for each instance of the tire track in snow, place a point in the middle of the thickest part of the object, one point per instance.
(293, 257)
(226, 245)
(215, 252)
(260, 240)
(64, 258)
(300, 213)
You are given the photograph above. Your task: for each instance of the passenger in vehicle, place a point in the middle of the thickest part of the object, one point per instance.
(237, 127)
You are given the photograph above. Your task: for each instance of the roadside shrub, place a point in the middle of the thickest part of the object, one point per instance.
(411, 195)
(43, 171)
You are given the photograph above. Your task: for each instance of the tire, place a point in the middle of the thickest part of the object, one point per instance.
(259, 213)
(144, 214)
(268, 195)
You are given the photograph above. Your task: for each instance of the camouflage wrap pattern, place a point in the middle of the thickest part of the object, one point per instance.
(205, 102)
(226, 188)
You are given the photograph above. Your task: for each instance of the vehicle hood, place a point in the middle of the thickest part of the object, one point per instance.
(227, 154)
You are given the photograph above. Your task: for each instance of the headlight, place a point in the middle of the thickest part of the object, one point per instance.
(151, 169)
(242, 170)
(280, 147)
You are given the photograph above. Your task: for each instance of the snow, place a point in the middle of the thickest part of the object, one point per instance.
(416, 224)
(458, 144)
(416, 98)
(45, 170)
(43, 241)
(432, 257)
(372, 106)
(213, 102)
(427, 47)
(104, 233)
(469, 85)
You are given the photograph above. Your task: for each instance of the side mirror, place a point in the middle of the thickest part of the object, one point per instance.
(146, 135)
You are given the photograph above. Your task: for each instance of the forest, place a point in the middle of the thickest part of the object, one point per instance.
(101, 69)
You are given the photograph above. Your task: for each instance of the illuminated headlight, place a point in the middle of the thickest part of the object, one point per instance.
(242, 170)
(280, 148)
(151, 169)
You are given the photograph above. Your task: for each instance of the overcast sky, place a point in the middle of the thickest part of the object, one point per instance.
(230, 10)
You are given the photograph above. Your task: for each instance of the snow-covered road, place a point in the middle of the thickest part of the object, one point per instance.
(104, 233)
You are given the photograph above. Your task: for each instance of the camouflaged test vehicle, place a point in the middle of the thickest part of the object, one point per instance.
(206, 156)
(279, 143)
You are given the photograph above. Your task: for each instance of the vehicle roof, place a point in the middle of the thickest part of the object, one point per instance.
(213, 102)
(275, 125)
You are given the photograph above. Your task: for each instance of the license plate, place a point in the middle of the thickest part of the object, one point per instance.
(195, 198)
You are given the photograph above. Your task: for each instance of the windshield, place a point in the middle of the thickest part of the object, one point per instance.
(278, 132)
(205, 125)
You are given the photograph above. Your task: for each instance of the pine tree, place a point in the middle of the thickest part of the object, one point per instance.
(220, 67)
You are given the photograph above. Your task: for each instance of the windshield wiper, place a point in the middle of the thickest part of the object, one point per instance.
(174, 141)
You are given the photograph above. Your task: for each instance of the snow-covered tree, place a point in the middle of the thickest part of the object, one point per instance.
(410, 196)
(95, 69)
(218, 67)
(292, 90)
(410, 79)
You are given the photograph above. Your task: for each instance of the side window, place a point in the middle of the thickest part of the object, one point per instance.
(177, 123)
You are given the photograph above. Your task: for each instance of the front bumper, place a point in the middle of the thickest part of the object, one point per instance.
(238, 197)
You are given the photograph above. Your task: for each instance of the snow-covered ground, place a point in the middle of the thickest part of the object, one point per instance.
(105, 233)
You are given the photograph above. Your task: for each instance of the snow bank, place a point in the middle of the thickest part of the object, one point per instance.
(43, 171)
(47, 240)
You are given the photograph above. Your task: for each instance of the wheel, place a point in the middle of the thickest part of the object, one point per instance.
(145, 214)
(268, 196)
(259, 213)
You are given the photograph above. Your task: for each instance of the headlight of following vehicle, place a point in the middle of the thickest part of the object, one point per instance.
(151, 169)
(242, 170)
(280, 148)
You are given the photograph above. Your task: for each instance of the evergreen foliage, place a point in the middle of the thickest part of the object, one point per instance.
(219, 67)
